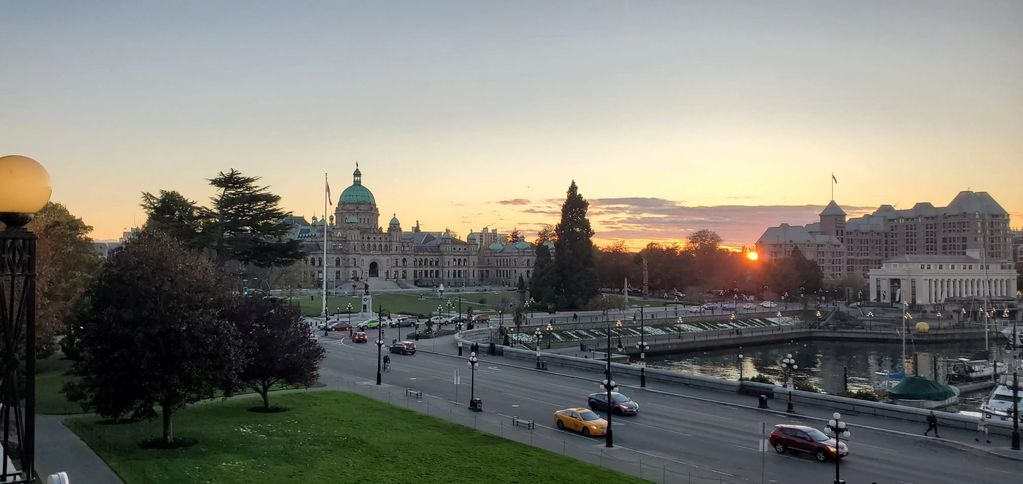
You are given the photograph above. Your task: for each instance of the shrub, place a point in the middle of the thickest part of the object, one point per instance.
(761, 379)
(868, 395)
(805, 386)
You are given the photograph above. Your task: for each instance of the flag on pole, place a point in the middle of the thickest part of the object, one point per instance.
(331, 202)
(833, 178)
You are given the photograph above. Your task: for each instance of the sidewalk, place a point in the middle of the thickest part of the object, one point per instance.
(59, 449)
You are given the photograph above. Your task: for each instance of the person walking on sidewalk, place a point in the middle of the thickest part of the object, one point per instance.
(932, 424)
(982, 428)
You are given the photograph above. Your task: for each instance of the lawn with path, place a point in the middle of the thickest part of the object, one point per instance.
(411, 303)
(324, 436)
(51, 374)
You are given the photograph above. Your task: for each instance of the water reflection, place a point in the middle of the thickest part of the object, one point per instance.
(823, 363)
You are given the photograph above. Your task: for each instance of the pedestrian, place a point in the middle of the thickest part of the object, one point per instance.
(982, 428)
(932, 424)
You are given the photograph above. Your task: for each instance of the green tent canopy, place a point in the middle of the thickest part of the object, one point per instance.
(920, 388)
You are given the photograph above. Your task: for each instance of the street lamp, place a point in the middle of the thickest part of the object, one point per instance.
(1015, 409)
(380, 346)
(349, 315)
(474, 404)
(906, 317)
(609, 385)
(24, 190)
(538, 334)
(870, 320)
(836, 428)
(550, 328)
(789, 366)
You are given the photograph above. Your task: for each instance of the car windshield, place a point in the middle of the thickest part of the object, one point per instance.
(619, 398)
(588, 415)
(818, 435)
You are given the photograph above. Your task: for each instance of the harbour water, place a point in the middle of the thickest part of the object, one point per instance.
(823, 363)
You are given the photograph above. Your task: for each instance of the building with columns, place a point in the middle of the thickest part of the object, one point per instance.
(971, 221)
(937, 279)
(359, 250)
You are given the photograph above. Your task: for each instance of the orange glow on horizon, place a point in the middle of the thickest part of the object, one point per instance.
(752, 255)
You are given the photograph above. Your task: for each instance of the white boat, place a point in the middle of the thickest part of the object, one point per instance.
(962, 369)
(999, 403)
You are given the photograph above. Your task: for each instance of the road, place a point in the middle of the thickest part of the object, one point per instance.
(678, 432)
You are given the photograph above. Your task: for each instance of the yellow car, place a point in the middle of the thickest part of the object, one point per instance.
(582, 420)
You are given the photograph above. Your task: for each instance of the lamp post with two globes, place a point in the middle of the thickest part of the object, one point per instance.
(24, 190)
(789, 366)
(836, 428)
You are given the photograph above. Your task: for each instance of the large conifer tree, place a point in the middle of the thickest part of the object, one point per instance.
(574, 254)
(250, 226)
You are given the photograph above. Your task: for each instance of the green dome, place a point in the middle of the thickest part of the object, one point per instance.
(497, 246)
(357, 193)
(522, 245)
(394, 219)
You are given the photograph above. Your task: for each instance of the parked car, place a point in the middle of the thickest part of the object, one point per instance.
(769, 304)
(459, 319)
(801, 438)
(360, 337)
(710, 306)
(748, 306)
(695, 309)
(403, 348)
(582, 420)
(728, 306)
(438, 319)
(620, 404)
(480, 318)
(369, 324)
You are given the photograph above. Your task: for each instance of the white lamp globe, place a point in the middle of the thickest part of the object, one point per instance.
(24, 188)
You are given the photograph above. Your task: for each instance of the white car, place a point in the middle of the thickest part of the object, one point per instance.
(769, 304)
(695, 309)
(747, 306)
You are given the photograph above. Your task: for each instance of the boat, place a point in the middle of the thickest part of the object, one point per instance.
(1007, 332)
(964, 370)
(920, 392)
(999, 403)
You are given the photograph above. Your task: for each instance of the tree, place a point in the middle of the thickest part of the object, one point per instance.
(66, 262)
(250, 226)
(704, 240)
(277, 346)
(514, 236)
(574, 253)
(179, 217)
(543, 284)
(794, 271)
(546, 234)
(613, 264)
(151, 333)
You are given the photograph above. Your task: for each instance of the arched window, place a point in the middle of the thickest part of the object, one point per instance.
(337, 261)
(403, 264)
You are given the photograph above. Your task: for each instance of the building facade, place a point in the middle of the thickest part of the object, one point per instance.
(360, 250)
(937, 279)
(971, 221)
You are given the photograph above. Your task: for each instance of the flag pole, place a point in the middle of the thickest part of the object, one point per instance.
(325, 227)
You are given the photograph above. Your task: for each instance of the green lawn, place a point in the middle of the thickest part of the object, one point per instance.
(50, 378)
(407, 303)
(325, 436)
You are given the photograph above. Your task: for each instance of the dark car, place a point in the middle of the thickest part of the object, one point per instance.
(360, 337)
(801, 438)
(339, 326)
(620, 404)
(403, 347)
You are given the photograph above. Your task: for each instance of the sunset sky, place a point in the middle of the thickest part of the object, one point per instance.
(671, 116)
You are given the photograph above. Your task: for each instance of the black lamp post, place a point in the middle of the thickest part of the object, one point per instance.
(836, 428)
(789, 365)
(24, 190)
(349, 315)
(380, 347)
(538, 335)
(609, 385)
(550, 329)
(473, 362)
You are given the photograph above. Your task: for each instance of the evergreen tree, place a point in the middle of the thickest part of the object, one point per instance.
(150, 333)
(574, 253)
(250, 226)
(177, 216)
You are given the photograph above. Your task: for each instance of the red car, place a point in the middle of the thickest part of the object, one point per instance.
(360, 337)
(806, 439)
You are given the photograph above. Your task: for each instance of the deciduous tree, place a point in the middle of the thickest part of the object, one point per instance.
(277, 347)
(151, 333)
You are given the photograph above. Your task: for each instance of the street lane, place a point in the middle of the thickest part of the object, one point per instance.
(693, 433)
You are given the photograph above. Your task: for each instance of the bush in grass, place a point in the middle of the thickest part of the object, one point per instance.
(761, 379)
(868, 395)
(806, 386)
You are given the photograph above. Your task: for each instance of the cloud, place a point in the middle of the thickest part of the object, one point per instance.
(639, 220)
(514, 201)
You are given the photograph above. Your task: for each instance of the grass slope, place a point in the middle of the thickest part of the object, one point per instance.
(51, 373)
(324, 437)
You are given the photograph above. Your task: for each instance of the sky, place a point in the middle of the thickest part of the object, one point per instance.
(671, 116)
